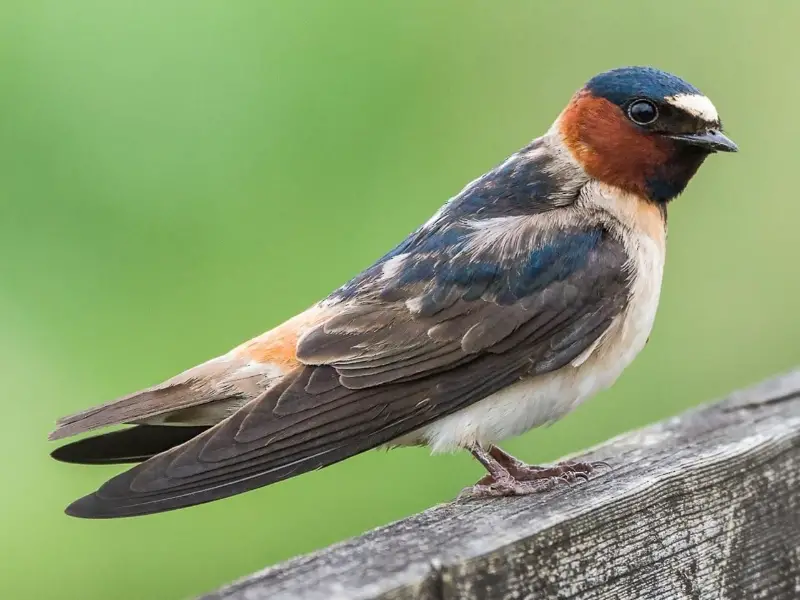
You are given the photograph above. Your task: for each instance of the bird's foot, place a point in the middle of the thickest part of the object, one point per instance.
(568, 471)
(509, 476)
(489, 487)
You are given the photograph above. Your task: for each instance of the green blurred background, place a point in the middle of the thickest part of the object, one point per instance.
(176, 177)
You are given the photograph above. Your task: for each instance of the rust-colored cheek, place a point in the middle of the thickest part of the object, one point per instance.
(610, 148)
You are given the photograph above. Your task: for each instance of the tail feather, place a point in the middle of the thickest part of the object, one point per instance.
(137, 407)
(215, 389)
(131, 445)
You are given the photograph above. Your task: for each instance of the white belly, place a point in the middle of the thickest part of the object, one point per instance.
(546, 398)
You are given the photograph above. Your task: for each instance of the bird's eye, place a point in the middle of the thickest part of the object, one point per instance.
(642, 112)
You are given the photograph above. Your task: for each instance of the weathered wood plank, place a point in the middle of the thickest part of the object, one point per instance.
(704, 505)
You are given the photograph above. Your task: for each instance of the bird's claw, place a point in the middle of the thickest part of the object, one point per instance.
(597, 464)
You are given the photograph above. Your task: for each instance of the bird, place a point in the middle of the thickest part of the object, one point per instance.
(526, 293)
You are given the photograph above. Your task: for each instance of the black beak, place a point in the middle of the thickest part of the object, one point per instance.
(711, 140)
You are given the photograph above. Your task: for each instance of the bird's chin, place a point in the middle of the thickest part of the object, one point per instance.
(672, 178)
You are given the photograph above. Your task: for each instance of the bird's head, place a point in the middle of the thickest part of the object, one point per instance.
(643, 130)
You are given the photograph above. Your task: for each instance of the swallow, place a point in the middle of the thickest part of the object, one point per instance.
(524, 295)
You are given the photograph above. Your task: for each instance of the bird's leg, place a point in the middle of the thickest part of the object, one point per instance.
(569, 471)
(500, 481)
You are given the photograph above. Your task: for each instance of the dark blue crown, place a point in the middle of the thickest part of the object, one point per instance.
(620, 85)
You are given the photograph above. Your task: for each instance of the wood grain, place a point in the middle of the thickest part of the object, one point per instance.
(701, 506)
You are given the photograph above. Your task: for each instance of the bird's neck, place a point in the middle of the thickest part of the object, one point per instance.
(634, 212)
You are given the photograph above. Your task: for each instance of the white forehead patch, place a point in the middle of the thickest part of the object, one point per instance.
(695, 104)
